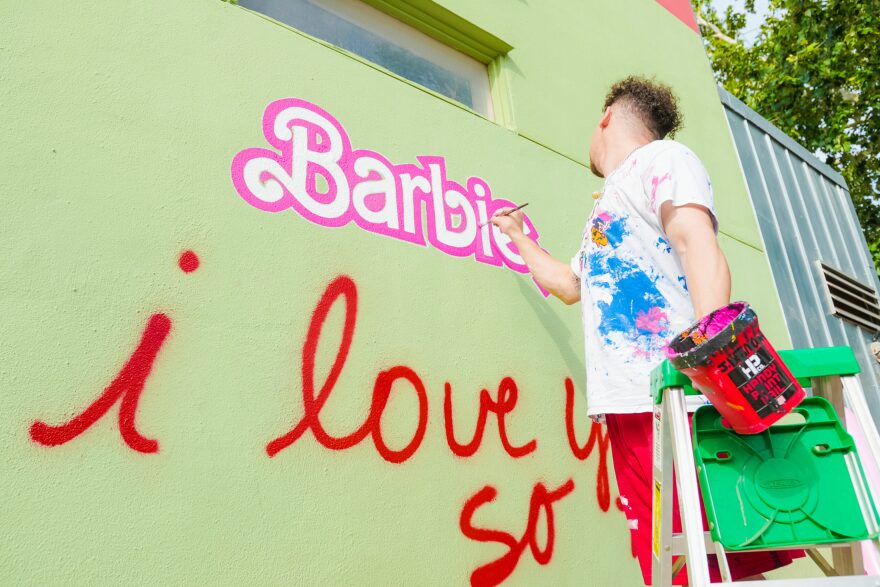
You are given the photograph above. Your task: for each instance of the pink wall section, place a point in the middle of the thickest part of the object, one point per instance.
(682, 11)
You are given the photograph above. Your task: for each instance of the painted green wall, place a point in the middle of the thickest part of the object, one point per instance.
(120, 120)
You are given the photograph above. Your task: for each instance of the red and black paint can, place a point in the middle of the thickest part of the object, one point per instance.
(732, 363)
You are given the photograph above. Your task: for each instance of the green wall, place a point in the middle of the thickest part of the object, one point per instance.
(120, 121)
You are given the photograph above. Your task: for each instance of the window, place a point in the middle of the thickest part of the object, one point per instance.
(386, 41)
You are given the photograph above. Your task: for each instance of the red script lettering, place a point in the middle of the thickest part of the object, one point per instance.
(507, 397)
(603, 493)
(498, 570)
(128, 385)
(344, 287)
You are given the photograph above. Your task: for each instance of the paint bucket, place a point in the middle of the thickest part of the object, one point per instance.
(732, 363)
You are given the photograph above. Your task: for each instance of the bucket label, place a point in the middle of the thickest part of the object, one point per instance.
(730, 357)
(755, 372)
(749, 368)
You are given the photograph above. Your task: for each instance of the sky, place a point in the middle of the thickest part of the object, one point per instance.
(753, 21)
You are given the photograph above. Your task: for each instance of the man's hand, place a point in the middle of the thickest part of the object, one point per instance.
(551, 274)
(509, 224)
(691, 233)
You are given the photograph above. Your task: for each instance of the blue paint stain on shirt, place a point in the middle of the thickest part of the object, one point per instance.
(633, 292)
(683, 282)
(663, 245)
(616, 231)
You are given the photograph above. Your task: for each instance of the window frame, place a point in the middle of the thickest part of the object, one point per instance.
(453, 31)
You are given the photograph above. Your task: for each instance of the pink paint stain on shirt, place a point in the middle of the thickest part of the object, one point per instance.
(656, 182)
(641, 353)
(654, 320)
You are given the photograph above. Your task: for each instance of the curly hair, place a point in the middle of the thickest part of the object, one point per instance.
(654, 103)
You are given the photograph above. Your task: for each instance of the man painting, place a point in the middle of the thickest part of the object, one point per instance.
(648, 265)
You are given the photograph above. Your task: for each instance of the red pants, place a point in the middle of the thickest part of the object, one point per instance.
(632, 453)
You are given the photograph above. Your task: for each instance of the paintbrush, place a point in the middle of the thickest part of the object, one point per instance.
(508, 213)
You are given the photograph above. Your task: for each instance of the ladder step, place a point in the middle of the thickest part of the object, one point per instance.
(679, 545)
(795, 482)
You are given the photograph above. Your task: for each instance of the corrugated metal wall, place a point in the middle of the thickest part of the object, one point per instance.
(805, 215)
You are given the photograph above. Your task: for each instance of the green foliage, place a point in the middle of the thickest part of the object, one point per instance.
(813, 71)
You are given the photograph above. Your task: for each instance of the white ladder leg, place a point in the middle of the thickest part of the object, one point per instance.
(723, 567)
(688, 494)
(661, 531)
(854, 400)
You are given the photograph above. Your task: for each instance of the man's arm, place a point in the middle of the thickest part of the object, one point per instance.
(692, 236)
(551, 274)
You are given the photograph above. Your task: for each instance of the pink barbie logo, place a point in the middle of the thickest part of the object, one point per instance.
(365, 187)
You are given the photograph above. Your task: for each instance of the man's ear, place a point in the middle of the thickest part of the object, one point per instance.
(606, 118)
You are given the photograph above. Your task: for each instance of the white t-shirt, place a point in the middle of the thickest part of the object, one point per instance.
(633, 292)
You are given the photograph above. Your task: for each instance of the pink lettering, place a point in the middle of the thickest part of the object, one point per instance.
(313, 170)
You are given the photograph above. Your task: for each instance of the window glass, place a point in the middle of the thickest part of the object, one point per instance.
(365, 31)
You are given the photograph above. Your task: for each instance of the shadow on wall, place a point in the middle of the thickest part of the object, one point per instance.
(555, 327)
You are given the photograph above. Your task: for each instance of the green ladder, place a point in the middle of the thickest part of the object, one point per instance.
(797, 485)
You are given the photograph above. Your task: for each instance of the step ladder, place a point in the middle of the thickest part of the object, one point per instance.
(795, 486)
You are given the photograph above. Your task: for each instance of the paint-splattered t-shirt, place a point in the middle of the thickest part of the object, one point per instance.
(633, 292)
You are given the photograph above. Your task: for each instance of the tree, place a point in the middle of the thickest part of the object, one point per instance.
(813, 71)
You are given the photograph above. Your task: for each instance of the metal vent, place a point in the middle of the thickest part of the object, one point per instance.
(850, 299)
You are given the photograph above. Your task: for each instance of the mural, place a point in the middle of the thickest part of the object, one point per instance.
(127, 386)
(282, 350)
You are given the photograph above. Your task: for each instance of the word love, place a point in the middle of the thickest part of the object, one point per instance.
(501, 405)
(316, 173)
(344, 288)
